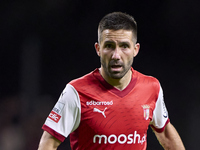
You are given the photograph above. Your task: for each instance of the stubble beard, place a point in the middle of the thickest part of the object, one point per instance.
(116, 74)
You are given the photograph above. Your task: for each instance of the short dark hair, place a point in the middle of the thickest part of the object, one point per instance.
(117, 21)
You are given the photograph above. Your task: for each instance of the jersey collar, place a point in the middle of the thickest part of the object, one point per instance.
(114, 90)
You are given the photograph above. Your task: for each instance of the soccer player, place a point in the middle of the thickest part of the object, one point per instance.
(112, 106)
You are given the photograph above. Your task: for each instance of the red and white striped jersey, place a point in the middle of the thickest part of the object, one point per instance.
(98, 116)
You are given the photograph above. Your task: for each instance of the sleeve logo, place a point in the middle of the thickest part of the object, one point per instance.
(54, 116)
(165, 113)
(56, 113)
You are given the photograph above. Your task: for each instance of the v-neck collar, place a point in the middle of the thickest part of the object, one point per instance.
(120, 93)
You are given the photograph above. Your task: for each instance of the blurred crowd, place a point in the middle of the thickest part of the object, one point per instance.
(20, 124)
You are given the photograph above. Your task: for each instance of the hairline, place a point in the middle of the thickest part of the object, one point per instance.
(134, 37)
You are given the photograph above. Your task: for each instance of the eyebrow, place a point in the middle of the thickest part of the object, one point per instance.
(109, 41)
(127, 43)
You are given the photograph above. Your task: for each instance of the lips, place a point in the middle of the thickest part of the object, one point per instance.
(116, 66)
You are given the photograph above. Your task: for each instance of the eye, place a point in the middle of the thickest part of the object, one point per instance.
(109, 46)
(125, 46)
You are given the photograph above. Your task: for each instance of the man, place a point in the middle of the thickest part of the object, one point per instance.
(111, 107)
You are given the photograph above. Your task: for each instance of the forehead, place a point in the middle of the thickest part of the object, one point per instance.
(116, 35)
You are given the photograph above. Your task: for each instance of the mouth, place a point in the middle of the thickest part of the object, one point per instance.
(116, 68)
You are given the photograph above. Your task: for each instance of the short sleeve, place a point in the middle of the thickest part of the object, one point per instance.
(160, 114)
(65, 116)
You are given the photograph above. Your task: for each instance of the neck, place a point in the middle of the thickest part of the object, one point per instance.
(119, 84)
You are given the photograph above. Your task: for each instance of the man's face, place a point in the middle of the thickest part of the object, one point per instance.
(116, 50)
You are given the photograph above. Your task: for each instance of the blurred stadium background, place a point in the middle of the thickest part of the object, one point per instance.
(45, 44)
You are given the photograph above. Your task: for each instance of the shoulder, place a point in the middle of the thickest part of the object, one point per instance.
(147, 80)
(85, 80)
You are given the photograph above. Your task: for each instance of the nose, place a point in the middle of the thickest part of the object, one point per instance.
(116, 54)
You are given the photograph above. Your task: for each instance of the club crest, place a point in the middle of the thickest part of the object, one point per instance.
(146, 109)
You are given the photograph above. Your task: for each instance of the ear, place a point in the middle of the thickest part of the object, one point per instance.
(136, 49)
(97, 47)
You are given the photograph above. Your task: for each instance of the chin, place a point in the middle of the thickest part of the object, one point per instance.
(117, 75)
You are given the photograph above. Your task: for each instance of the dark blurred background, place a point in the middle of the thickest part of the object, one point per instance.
(46, 43)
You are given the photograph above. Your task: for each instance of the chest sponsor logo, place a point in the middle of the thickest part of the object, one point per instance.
(121, 139)
(99, 103)
(146, 109)
(99, 111)
(54, 116)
